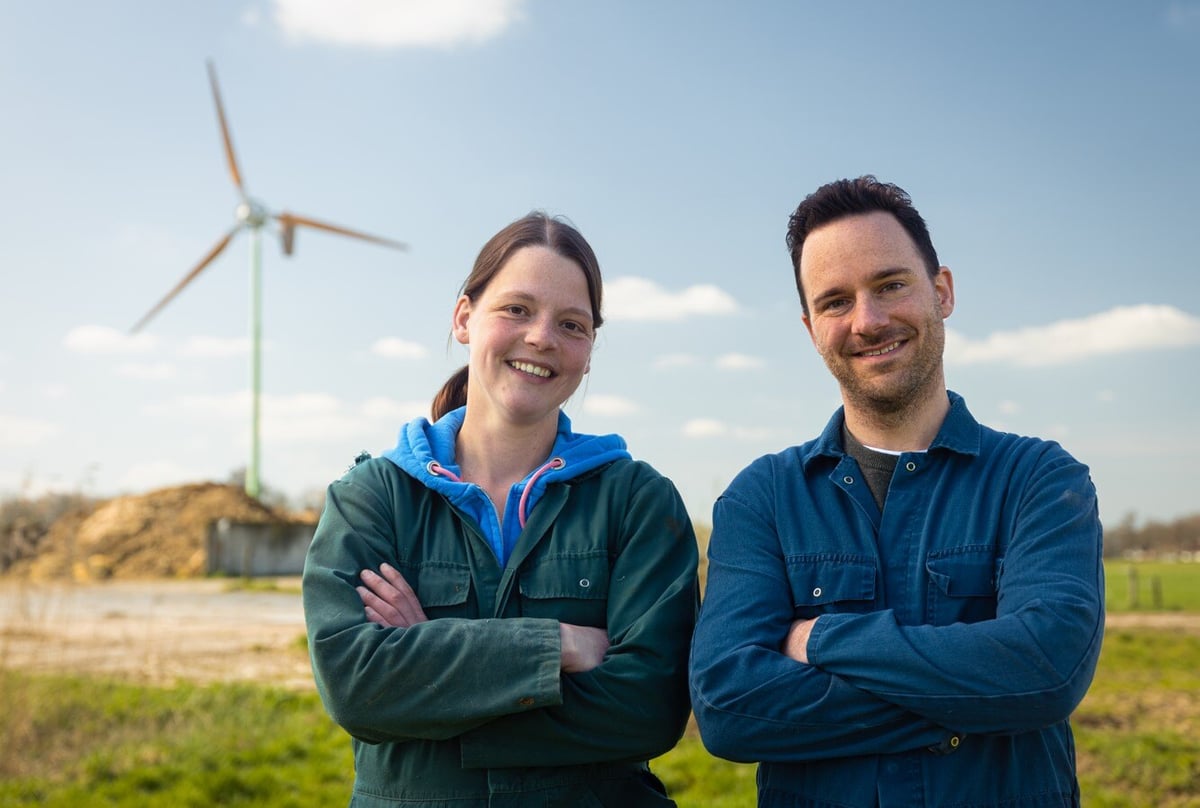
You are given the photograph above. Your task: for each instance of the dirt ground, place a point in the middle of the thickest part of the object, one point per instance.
(205, 630)
(157, 632)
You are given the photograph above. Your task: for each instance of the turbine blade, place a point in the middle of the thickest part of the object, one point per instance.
(292, 219)
(230, 158)
(188, 278)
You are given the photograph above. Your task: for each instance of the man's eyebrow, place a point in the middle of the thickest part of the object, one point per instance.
(875, 277)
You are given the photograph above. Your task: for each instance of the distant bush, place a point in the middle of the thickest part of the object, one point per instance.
(25, 521)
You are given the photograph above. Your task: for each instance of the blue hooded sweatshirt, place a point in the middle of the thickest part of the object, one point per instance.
(425, 451)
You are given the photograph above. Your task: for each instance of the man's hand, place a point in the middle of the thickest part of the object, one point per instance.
(795, 645)
(389, 600)
(583, 647)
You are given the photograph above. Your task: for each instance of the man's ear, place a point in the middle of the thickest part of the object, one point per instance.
(458, 321)
(808, 325)
(943, 284)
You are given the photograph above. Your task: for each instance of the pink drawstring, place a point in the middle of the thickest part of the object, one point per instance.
(435, 468)
(555, 463)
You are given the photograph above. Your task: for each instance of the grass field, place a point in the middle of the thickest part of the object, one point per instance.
(1152, 586)
(71, 741)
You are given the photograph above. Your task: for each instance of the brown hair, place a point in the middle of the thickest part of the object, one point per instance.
(842, 198)
(536, 229)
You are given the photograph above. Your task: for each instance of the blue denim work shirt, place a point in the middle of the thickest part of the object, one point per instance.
(958, 628)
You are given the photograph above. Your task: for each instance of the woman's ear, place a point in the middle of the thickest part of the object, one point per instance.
(458, 321)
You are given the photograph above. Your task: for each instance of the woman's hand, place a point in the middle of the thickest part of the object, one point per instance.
(389, 600)
(583, 647)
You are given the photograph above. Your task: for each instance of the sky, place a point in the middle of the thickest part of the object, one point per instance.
(1051, 147)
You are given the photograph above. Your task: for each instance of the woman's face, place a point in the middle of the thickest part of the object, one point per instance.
(531, 335)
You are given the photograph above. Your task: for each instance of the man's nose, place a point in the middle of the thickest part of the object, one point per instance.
(869, 315)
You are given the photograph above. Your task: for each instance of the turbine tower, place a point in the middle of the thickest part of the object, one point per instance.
(251, 215)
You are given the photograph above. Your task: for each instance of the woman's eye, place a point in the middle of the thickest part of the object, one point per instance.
(515, 309)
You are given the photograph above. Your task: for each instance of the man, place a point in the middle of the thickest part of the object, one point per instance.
(905, 610)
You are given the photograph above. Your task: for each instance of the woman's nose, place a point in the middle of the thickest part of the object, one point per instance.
(540, 333)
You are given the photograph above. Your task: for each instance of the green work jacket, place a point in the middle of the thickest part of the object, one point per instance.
(470, 709)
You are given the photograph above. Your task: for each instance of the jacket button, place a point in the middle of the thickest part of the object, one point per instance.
(585, 583)
(848, 480)
(911, 466)
(817, 592)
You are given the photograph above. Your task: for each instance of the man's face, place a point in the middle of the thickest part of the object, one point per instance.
(874, 314)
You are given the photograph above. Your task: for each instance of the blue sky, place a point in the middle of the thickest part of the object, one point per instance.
(1052, 148)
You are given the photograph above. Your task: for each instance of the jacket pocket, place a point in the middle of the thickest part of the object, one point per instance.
(962, 584)
(831, 582)
(442, 587)
(570, 587)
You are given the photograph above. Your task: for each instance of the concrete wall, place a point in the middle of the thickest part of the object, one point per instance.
(249, 550)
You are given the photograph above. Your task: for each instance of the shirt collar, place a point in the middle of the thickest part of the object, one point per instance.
(958, 433)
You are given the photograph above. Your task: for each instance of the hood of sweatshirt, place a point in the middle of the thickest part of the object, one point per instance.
(425, 451)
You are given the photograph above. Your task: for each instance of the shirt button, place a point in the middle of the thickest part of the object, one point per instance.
(817, 592)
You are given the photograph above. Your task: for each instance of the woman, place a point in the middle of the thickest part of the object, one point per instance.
(499, 610)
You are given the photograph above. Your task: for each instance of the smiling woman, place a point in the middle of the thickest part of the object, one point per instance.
(500, 605)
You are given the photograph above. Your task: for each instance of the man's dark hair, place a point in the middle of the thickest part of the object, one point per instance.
(843, 198)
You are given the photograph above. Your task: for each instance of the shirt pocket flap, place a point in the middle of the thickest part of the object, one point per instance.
(967, 573)
(567, 576)
(825, 580)
(442, 584)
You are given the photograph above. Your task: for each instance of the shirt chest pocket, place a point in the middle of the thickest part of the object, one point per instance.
(962, 585)
(823, 584)
(570, 588)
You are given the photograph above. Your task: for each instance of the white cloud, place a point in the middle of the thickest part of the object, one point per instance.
(631, 298)
(712, 428)
(676, 360)
(393, 411)
(306, 417)
(100, 339)
(737, 361)
(215, 347)
(703, 428)
(395, 23)
(609, 405)
(157, 371)
(156, 474)
(1124, 329)
(395, 348)
(16, 430)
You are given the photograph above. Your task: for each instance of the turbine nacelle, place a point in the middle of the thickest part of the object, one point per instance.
(252, 213)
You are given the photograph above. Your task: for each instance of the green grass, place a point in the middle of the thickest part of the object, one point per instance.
(1159, 586)
(75, 740)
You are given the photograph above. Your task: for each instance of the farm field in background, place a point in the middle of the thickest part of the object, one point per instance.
(79, 738)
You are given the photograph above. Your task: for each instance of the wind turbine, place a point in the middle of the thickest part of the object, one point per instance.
(252, 216)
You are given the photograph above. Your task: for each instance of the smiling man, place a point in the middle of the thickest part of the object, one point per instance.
(906, 610)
